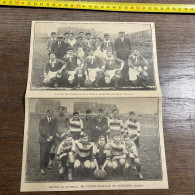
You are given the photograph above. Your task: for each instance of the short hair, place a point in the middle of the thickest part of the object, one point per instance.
(122, 32)
(88, 111)
(49, 110)
(81, 32)
(83, 135)
(100, 110)
(71, 34)
(66, 33)
(87, 33)
(63, 108)
(106, 34)
(74, 113)
(51, 53)
(91, 49)
(134, 48)
(101, 137)
(115, 110)
(126, 136)
(132, 113)
(68, 135)
(69, 48)
(60, 37)
(117, 134)
(53, 33)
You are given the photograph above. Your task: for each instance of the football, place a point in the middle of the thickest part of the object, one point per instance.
(100, 174)
(88, 83)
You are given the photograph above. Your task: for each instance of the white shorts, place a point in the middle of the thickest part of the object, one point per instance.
(92, 73)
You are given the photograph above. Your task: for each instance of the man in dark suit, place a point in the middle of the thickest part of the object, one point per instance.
(59, 48)
(123, 49)
(47, 130)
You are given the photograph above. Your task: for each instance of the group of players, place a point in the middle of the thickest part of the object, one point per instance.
(99, 143)
(86, 61)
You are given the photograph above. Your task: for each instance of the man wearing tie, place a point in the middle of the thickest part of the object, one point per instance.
(47, 131)
(60, 47)
(123, 50)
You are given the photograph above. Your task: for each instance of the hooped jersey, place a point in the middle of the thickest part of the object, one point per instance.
(65, 148)
(117, 149)
(115, 124)
(83, 150)
(76, 125)
(131, 149)
(132, 127)
(101, 152)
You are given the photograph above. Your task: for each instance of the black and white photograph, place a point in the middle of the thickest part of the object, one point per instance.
(92, 56)
(93, 144)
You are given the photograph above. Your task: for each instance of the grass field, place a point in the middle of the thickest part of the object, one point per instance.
(149, 154)
(40, 57)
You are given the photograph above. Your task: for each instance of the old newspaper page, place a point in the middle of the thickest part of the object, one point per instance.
(93, 109)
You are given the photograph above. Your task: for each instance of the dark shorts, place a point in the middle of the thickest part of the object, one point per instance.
(76, 135)
(83, 159)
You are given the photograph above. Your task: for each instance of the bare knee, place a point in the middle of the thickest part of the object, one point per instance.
(77, 164)
(122, 161)
(114, 165)
(136, 161)
(87, 164)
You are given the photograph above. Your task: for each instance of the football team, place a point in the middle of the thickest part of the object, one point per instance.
(100, 143)
(91, 61)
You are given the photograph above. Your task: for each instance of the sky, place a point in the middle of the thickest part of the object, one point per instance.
(49, 27)
(141, 105)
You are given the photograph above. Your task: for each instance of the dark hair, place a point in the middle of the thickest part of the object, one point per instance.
(117, 134)
(63, 108)
(100, 110)
(126, 136)
(101, 136)
(68, 135)
(53, 33)
(114, 110)
(66, 33)
(74, 113)
(69, 48)
(52, 53)
(132, 113)
(49, 110)
(88, 33)
(88, 111)
(71, 34)
(106, 34)
(83, 135)
(81, 32)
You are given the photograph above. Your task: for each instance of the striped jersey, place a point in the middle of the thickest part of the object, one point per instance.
(101, 152)
(83, 150)
(117, 149)
(76, 125)
(115, 124)
(64, 148)
(132, 127)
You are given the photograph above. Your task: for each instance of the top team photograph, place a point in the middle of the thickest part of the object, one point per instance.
(85, 56)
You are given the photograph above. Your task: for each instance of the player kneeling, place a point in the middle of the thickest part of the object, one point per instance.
(84, 152)
(118, 152)
(101, 156)
(132, 156)
(65, 154)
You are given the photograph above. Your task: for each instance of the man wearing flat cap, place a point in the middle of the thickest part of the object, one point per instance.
(123, 49)
(51, 41)
(60, 47)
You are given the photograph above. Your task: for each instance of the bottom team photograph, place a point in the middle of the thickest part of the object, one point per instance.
(92, 140)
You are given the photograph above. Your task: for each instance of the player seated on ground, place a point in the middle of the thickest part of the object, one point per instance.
(118, 153)
(113, 67)
(115, 125)
(138, 66)
(73, 75)
(132, 128)
(65, 155)
(132, 156)
(101, 154)
(84, 153)
(93, 65)
(76, 126)
(53, 71)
